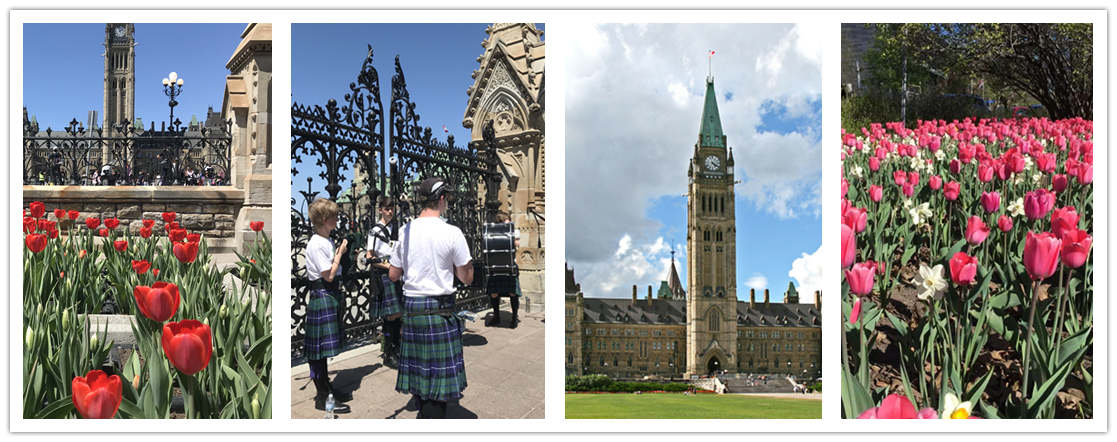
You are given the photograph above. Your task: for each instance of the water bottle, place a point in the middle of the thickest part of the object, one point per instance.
(330, 406)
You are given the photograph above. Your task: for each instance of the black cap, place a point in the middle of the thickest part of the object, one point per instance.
(433, 188)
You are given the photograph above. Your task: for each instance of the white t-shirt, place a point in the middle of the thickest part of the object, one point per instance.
(378, 246)
(319, 257)
(434, 249)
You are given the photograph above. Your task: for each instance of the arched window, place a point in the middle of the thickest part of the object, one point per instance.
(714, 320)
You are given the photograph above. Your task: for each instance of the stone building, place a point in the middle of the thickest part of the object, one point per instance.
(247, 104)
(508, 90)
(703, 328)
(633, 338)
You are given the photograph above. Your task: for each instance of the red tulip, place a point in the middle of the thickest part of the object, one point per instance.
(194, 238)
(140, 266)
(1064, 220)
(860, 278)
(155, 272)
(1004, 223)
(935, 182)
(59, 214)
(73, 215)
(53, 233)
(1037, 203)
(976, 230)
(96, 395)
(1076, 248)
(29, 224)
(149, 223)
(145, 232)
(36, 242)
(103, 232)
(849, 246)
(876, 193)
(112, 223)
(176, 235)
(963, 269)
(991, 201)
(158, 302)
(92, 222)
(169, 217)
(120, 245)
(186, 252)
(256, 225)
(950, 190)
(1041, 254)
(188, 345)
(855, 218)
(38, 209)
(1058, 182)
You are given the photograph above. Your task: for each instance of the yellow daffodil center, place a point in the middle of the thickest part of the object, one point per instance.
(960, 413)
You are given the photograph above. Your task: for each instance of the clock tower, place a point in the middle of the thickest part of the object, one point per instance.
(120, 75)
(711, 248)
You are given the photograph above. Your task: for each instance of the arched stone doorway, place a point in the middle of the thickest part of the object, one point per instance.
(713, 366)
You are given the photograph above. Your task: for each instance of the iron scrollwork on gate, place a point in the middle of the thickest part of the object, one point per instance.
(341, 137)
(472, 173)
(125, 154)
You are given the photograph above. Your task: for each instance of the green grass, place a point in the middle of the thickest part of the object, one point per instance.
(679, 406)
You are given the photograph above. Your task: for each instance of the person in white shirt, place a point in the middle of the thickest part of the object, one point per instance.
(388, 305)
(323, 321)
(429, 255)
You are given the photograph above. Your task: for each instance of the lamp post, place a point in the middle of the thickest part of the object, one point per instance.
(172, 86)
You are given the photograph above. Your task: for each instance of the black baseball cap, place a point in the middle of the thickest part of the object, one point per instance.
(433, 188)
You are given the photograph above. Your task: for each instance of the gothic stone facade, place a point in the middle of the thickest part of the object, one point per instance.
(633, 338)
(508, 90)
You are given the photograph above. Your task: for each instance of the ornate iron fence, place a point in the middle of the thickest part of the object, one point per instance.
(347, 144)
(127, 155)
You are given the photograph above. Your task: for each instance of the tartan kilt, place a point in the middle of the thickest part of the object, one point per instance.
(431, 363)
(323, 326)
(387, 297)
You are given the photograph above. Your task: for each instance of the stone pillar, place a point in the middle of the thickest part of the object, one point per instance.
(247, 104)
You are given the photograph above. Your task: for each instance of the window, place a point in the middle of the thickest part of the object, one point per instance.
(570, 358)
(615, 332)
(775, 335)
(714, 320)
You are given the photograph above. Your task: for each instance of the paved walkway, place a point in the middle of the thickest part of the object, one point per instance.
(504, 368)
(815, 396)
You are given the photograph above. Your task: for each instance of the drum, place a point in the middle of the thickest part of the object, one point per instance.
(499, 248)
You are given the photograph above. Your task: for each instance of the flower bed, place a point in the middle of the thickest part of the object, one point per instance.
(965, 249)
(195, 330)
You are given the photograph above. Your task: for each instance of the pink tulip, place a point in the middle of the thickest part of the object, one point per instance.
(856, 311)
(976, 230)
(935, 182)
(894, 406)
(1037, 203)
(1058, 182)
(845, 187)
(899, 177)
(1063, 220)
(985, 173)
(907, 190)
(1076, 248)
(955, 166)
(1041, 254)
(963, 269)
(855, 218)
(860, 278)
(876, 193)
(849, 246)
(951, 190)
(991, 201)
(1085, 173)
(1004, 223)
(874, 164)
(913, 178)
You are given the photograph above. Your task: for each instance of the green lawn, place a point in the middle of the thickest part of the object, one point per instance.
(679, 406)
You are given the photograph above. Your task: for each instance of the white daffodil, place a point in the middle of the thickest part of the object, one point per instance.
(907, 203)
(920, 213)
(1037, 177)
(1028, 163)
(931, 282)
(954, 408)
(1016, 208)
(939, 154)
(857, 171)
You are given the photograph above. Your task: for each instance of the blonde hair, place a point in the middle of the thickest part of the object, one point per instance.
(321, 210)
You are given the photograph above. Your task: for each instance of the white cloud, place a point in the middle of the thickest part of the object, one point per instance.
(642, 264)
(807, 271)
(757, 282)
(634, 97)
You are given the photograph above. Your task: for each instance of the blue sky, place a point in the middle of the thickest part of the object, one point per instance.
(630, 135)
(63, 69)
(437, 61)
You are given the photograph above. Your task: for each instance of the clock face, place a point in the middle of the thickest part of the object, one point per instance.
(713, 163)
(119, 31)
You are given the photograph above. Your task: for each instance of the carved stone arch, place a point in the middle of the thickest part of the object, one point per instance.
(504, 104)
(713, 318)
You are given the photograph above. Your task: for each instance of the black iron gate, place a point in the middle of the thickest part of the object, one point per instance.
(347, 142)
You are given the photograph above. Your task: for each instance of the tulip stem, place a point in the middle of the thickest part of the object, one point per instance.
(1028, 342)
(1057, 334)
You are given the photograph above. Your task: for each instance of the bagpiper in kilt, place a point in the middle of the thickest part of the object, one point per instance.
(387, 304)
(324, 332)
(430, 255)
(323, 325)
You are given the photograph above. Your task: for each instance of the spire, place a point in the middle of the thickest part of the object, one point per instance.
(674, 283)
(710, 134)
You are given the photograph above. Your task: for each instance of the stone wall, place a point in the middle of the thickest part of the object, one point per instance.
(211, 211)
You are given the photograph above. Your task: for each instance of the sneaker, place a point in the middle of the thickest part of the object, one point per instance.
(391, 361)
(493, 321)
(515, 322)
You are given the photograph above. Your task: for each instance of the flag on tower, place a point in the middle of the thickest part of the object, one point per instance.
(444, 129)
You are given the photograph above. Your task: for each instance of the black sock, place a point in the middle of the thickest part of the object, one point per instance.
(319, 373)
(494, 302)
(515, 306)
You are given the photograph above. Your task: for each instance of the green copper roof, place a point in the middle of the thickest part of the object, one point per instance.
(711, 134)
